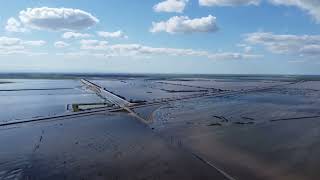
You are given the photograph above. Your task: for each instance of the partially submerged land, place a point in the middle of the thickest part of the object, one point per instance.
(174, 127)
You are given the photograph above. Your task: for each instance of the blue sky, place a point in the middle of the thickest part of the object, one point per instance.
(161, 36)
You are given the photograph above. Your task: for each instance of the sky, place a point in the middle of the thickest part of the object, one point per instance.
(161, 36)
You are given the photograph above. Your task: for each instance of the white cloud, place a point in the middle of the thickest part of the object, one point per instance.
(57, 19)
(183, 24)
(246, 48)
(311, 6)
(233, 56)
(305, 45)
(61, 44)
(93, 44)
(75, 35)
(170, 6)
(116, 34)
(21, 52)
(14, 25)
(7, 43)
(313, 49)
(228, 2)
(16, 43)
(73, 54)
(137, 50)
(86, 54)
(34, 43)
(11, 46)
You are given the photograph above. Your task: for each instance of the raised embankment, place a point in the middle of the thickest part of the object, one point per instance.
(106, 94)
(113, 98)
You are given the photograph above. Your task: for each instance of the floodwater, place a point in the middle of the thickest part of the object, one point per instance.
(269, 134)
(103, 146)
(228, 127)
(25, 99)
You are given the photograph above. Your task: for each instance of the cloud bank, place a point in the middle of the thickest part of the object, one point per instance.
(57, 19)
(306, 45)
(138, 50)
(10, 45)
(75, 35)
(311, 6)
(93, 44)
(228, 2)
(183, 24)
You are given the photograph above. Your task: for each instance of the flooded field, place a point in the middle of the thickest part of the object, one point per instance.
(25, 98)
(173, 127)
